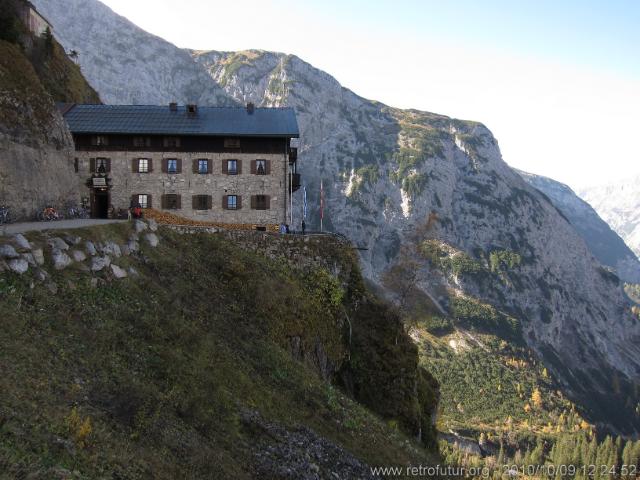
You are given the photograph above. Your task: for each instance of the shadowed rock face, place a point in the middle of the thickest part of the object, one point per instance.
(385, 172)
(604, 243)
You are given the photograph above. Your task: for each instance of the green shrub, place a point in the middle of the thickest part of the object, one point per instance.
(500, 260)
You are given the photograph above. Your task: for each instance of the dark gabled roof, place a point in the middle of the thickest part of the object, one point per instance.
(160, 120)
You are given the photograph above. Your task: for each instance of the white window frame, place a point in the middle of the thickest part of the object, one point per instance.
(141, 162)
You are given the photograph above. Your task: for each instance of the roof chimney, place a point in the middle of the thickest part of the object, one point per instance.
(173, 106)
(250, 108)
(192, 109)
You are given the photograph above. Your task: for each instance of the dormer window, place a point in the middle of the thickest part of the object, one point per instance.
(172, 142)
(141, 142)
(99, 140)
(231, 143)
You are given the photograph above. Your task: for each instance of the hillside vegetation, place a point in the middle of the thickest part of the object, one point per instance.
(60, 77)
(212, 362)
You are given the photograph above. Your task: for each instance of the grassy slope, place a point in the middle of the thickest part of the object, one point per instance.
(60, 76)
(164, 365)
(24, 103)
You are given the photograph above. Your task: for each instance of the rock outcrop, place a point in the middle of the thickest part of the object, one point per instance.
(36, 166)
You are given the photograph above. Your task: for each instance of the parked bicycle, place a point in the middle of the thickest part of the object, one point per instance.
(48, 214)
(74, 211)
(5, 216)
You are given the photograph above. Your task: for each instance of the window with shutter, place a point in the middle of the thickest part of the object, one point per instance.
(144, 200)
(201, 202)
(260, 202)
(232, 167)
(144, 165)
(171, 201)
(232, 202)
(172, 165)
(102, 165)
(203, 166)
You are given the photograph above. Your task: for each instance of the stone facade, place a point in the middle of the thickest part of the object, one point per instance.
(125, 182)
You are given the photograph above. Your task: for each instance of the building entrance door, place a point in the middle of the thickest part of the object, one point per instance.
(100, 203)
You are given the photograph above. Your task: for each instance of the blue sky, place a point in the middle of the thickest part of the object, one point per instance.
(602, 34)
(558, 83)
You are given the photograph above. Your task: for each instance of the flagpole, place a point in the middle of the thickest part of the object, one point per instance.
(321, 204)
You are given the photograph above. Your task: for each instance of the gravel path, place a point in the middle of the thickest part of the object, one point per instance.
(13, 228)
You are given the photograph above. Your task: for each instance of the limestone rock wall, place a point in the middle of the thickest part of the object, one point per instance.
(36, 149)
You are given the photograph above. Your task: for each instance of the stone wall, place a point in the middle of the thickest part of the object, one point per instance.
(306, 252)
(126, 183)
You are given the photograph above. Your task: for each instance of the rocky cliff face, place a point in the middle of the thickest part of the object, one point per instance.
(36, 166)
(124, 63)
(396, 177)
(619, 205)
(604, 243)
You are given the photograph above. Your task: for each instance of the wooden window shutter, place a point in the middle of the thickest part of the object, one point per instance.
(224, 202)
(267, 202)
(178, 201)
(150, 165)
(149, 204)
(163, 201)
(239, 164)
(179, 165)
(165, 167)
(92, 165)
(253, 167)
(253, 202)
(225, 165)
(194, 201)
(108, 165)
(195, 166)
(209, 165)
(134, 165)
(238, 202)
(268, 168)
(209, 202)
(134, 198)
